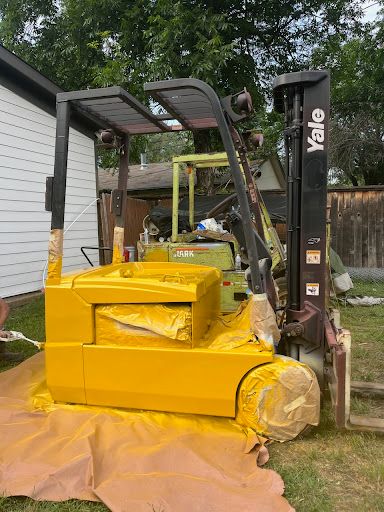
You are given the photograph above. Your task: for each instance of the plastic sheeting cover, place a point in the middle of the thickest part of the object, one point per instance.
(132, 461)
(232, 330)
(263, 319)
(144, 324)
(168, 325)
(279, 399)
(365, 301)
(253, 322)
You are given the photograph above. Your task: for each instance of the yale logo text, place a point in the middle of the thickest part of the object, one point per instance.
(317, 135)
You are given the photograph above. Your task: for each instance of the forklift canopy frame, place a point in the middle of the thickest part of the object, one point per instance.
(190, 101)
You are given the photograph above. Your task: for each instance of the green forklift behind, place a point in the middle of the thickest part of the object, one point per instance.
(207, 247)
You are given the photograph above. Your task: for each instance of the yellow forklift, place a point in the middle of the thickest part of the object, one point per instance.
(150, 335)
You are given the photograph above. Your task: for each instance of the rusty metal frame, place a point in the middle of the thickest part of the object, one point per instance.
(338, 377)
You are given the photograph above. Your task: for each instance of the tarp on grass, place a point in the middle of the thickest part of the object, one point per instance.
(132, 461)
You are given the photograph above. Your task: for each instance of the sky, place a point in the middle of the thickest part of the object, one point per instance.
(371, 7)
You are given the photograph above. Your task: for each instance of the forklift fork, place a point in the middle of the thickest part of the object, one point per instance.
(338, 376)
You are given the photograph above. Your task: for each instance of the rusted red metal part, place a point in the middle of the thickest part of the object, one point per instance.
(335, 371)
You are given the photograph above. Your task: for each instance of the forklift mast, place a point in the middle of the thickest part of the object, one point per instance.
(303, 97)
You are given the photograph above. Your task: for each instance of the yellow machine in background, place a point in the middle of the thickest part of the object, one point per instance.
(208, 248)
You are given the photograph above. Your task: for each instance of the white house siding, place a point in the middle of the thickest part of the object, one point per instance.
(268, 179)
(27, 142)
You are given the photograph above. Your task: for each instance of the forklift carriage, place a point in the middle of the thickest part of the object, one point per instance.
(178, 364)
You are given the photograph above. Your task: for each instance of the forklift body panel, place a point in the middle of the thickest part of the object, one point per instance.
(191, 378)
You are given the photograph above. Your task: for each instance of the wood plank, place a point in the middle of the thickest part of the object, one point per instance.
(347, 229)
(100, 232)
(379, 231)
(137, 210)
(111, 222)
(105, 221)
(334, 233)
(357, 241)
(364, 231)
(339, 224)
(372, 205)
(353, 230)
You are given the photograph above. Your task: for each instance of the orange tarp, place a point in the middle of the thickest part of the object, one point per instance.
(133, 461)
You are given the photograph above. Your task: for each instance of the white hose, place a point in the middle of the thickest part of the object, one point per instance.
(15, 335)
(67, 229)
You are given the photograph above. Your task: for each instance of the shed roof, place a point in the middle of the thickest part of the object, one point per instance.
(158, 176)
(140, 178)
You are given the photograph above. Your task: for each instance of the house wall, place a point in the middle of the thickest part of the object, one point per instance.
(268, 179)
(27, 142)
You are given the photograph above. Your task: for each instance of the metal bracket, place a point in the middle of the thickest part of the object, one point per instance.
(116, 201)
(82, 249)
(226, 102)
(310, 318)
(48, 193)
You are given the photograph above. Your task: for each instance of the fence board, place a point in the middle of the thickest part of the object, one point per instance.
(364, 238)
(333, 215)
(380, 231)
(105, 221)
(347, 230)
(357, 232)
(137, 209)
(357, 220)
(371, 214)
(339, 224)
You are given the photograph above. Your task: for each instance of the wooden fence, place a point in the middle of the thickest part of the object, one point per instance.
(137, 209)
(357, 225)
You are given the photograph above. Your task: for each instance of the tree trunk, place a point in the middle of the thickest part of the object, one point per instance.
(205, 177)
(353, 179)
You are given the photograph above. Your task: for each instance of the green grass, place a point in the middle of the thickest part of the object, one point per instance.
(28, 505)
(374, 289)
(28, 319)
(326, 470)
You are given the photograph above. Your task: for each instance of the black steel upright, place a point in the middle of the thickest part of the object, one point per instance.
(192, 84)
(63, 112)
(122, 180)
(304, 99)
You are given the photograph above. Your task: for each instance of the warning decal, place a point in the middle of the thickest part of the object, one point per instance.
(312, 288)
(313, 257)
